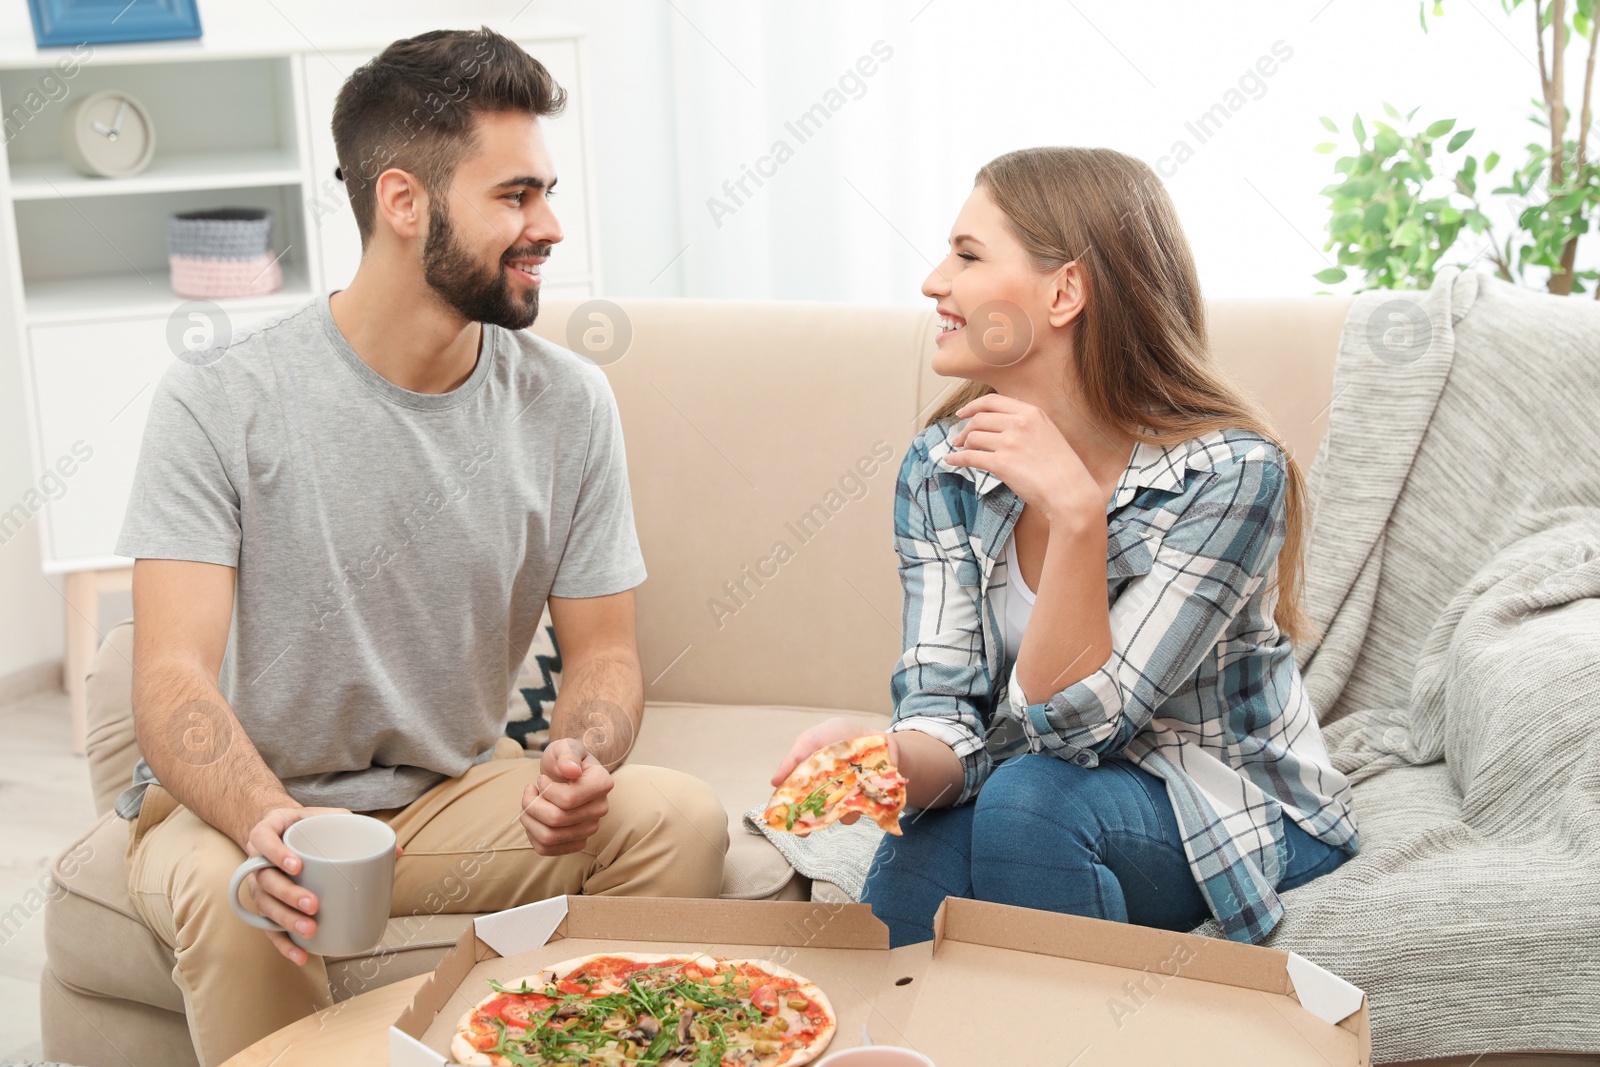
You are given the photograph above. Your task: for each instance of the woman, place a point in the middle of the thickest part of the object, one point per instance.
(1143, 750)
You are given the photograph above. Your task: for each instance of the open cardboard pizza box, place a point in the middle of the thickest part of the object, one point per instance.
(842, 948)
(996, 985)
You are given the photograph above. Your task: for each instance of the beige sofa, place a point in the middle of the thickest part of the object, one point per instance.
(750, 427)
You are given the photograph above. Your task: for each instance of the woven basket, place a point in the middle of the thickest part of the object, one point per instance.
(222, 252)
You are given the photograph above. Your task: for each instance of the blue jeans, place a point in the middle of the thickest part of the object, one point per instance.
(1045, 833)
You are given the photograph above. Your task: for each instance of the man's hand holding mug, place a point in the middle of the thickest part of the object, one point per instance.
(321, 879)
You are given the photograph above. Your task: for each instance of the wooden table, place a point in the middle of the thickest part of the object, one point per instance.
(353, 1032)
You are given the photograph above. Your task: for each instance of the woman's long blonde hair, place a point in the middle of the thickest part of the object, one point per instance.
(1143, 360)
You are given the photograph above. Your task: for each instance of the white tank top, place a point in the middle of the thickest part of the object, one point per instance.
(1018, 603)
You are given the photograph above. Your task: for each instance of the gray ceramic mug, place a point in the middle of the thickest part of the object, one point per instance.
(347, 860)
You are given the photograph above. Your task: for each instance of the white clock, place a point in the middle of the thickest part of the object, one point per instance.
(108, 135)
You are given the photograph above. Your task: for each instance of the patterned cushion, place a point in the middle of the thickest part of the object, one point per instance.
(534, 696)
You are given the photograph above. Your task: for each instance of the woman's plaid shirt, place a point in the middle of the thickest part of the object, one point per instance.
(1201, 689)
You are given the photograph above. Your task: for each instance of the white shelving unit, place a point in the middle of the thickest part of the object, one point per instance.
(110, 296)
(48, 179)
(84, 282)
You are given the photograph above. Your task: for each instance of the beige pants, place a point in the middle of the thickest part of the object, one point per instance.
(665, 834)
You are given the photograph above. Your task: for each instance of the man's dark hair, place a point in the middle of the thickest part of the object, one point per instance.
(412, 107)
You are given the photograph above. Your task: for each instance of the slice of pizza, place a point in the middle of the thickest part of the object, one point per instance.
(846, 776)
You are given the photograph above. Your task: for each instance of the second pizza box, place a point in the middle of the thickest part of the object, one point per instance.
(996, 985)
(1008, 985)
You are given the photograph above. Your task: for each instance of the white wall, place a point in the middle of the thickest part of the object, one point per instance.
(684, 95)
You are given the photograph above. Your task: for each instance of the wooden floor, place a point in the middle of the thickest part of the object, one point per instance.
(44, 804)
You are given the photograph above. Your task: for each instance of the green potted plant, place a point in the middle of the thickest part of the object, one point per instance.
(1402, 203)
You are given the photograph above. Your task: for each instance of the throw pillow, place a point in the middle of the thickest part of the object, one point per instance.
(533, 698)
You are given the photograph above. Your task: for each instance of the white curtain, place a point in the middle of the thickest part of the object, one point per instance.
(807, 140)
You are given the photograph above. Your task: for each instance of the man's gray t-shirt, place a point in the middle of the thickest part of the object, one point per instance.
(394, 550)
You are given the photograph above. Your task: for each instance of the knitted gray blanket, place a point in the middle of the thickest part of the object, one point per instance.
(1454, 564)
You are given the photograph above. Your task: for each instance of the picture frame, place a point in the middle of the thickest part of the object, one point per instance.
(63, 23)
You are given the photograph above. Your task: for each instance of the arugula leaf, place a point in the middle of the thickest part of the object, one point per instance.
(498, 988)
(813, 803)
(660, 1045)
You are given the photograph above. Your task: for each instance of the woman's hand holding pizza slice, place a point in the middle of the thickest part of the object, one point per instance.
(836, 773)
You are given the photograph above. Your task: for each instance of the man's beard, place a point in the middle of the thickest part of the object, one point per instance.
(477, 293)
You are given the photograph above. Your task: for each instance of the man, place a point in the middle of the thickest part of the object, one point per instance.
(355, 515)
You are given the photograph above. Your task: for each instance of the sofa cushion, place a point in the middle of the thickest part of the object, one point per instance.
(754, 870)
(108, 695)
(734, 748)
(94, 939)
(782, 593)
(79, 1027)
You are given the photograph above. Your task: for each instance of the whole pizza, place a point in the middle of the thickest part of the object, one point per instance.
(627, 1008)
